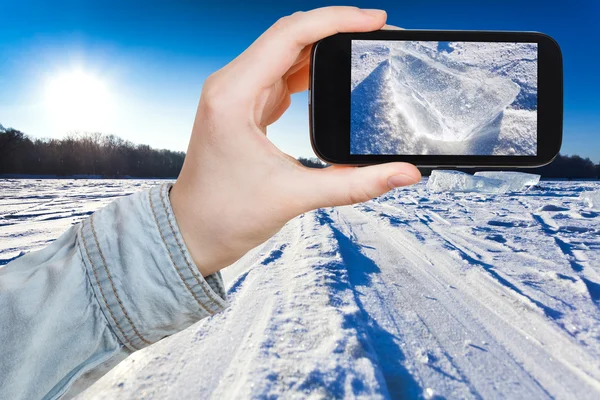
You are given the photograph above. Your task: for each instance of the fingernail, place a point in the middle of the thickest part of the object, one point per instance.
(400, 180)
(371, 12)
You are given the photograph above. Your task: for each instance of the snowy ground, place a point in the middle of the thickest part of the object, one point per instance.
(443, 98)
(34, 212)
(415, 294)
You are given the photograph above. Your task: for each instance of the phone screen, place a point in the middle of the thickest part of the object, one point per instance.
(443, 98)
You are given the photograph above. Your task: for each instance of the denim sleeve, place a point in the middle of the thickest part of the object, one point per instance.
(117, 282)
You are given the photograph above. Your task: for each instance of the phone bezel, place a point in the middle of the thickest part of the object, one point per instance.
(329, 98)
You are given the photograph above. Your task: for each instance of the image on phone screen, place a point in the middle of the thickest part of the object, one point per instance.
(443, 98)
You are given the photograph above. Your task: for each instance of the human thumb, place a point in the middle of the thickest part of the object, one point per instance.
(341, 185)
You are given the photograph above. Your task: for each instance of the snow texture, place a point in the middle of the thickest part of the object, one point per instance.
(517, 181)
(457, 181)
(412, 295)
(443, 98)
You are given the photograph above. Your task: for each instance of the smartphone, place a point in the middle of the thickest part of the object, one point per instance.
(437, 98)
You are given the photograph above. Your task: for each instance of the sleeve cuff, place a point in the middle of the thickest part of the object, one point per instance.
(141, 271)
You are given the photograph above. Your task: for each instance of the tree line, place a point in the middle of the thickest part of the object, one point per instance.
(112, 157)
(85, 154)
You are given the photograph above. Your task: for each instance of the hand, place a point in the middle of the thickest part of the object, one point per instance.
(236, 189)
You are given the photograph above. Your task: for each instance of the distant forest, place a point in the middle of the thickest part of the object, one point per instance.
(112, 157)
(84, 154)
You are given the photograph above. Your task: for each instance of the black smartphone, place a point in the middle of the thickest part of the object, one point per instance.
(437, 98)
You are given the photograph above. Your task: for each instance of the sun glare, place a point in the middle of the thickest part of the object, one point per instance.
(79, 101)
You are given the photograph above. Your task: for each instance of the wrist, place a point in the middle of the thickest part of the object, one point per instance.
(188, 227)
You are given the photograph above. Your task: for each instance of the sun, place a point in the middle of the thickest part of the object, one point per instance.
(79, 101)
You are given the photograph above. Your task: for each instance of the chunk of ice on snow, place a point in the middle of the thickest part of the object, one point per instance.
(445, 103)
(456, 181)
(517, 181)
(591, 199)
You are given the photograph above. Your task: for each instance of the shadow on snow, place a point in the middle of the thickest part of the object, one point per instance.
(388, 355)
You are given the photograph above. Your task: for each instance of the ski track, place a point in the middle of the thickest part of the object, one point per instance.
(411, 295)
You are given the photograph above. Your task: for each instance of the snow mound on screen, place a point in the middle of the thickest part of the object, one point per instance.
(419, 100)
(442, 103)
(516, 61)
(368, 57)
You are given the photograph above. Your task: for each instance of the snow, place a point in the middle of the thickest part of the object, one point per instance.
(414, 294)
(424, 87)
(592, 199)
(468, 98)
(517, 181)
(33, 212)
(457, 181)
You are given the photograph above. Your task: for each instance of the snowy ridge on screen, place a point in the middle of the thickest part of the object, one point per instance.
(443, 98)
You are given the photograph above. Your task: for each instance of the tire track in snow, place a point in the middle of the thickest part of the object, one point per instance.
(544, 352)
(480, 259)
(359, 273)
(576, 259)
(315, 344)
(476, 251)
(449, 347)
(237, 380)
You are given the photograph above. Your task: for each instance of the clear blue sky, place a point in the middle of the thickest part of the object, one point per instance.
(151, 58)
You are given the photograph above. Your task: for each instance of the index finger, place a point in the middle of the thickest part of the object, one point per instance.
(276, 50)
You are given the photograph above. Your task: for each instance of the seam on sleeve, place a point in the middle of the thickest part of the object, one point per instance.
(81, 248)
(112, 284)
(210, 312)
(193, 269)
(85, 246)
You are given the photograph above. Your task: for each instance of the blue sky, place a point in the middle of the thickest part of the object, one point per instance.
(152, 57)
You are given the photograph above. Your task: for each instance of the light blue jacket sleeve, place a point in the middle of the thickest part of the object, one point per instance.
(117, 282)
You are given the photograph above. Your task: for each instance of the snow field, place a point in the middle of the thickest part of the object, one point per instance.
(414, 294)
(34, 212)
